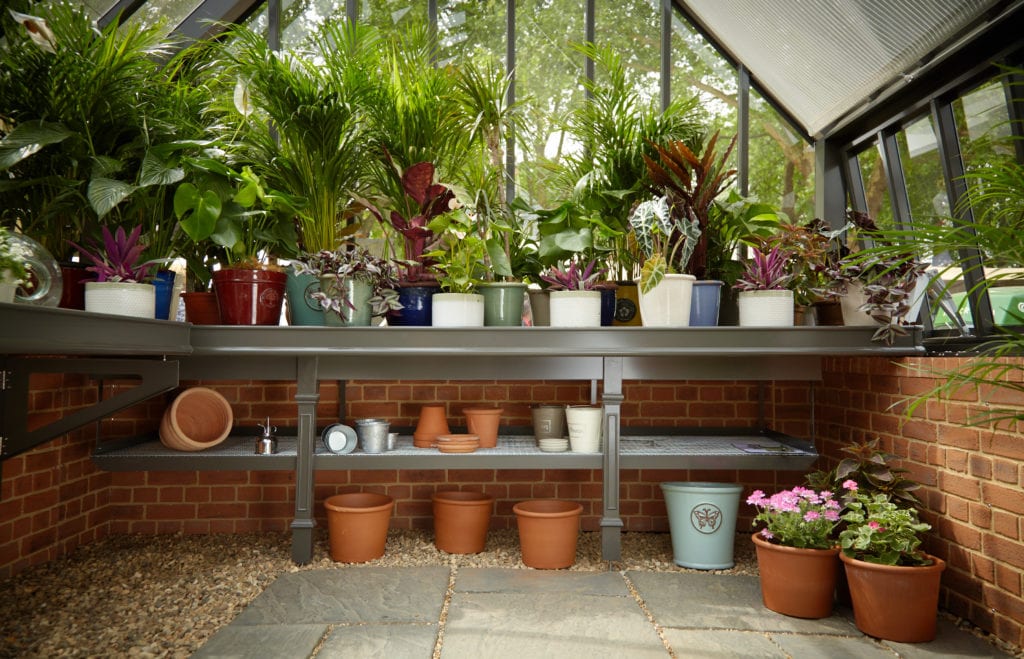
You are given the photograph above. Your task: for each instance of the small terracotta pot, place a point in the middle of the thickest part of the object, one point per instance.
(197, 419)
(357, 525)
(484, 422)
(461, 520)
(895, 602)
(797, 582)
(548, 530)
(201, 308)
(432, 423)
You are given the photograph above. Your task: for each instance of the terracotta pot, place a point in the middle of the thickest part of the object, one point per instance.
(548, 530)
(484, 422)
(797, 582)
(197, 419)
(201, 308)
(895, 602)
(828, 313)
(249, 297)
(357, 525)
(432, 423)
(461, 520)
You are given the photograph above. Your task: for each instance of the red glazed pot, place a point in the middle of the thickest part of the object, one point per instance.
(249, 297)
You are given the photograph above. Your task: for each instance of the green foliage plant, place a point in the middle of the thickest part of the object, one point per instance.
(459, 262)
(872, 469)
(735, 222)
(878, 531)
(657, 234)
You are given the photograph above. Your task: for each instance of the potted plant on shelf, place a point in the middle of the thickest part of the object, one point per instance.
(575, 298)
(807, 250)
(120, 287)
(355, 285)
(764, 300)
(796, 550)
(894, 585)
(666, 242)
(13, 269)
(458, 267)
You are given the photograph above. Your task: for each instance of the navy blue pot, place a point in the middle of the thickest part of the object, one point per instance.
(607, 306)
(164, 284)
(416, 306)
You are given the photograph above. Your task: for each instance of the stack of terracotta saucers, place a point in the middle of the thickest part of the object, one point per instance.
(553, 445)
(458, 443)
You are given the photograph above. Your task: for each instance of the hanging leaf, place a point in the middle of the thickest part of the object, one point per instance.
(27, 139)
(156, 171)
(106, 193)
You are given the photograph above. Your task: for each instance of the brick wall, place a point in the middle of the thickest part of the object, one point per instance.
(53, 499)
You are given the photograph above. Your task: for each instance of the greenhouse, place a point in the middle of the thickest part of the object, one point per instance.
(480, 328)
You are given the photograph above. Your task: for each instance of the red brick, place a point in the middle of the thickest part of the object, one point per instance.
(968, 488)
(1005, 471)
(1005, 550)
(1006, 498)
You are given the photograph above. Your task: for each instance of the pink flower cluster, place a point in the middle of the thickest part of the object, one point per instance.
(797, 500)
(799, 517)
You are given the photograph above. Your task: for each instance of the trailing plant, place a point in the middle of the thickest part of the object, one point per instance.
(666, 242)
(765, 272)
(691, 181)
(879, 531)
(574, 277)
(352, 261)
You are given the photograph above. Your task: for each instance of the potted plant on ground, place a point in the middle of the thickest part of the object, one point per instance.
(355, 285)
(764, 299)
(796, 550)
(120, 287)
(575, 297)
(894, 585)
(666, 242)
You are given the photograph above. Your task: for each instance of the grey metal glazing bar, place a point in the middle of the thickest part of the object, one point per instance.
(590, 35)
(896, 180)
(274, 24)
(743, 130)
(352, 10)
(121, 10)
(666, 54)
(510, 70)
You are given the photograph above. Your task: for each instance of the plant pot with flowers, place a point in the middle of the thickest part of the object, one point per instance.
(355, 285)
(120, 287)
(796, 550)
(894, 585)
(575, 299)
(764, 300)
(666, 242)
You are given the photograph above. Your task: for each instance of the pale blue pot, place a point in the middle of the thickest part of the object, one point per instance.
(702, 519)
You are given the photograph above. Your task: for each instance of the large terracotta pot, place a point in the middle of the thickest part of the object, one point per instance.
(249, 297)
(357, 525)
(548, 530)
(432, 423)
(197, 419)
(484, 422)
(461, 520)
(797, 582)
(895, 602)
(201, 308)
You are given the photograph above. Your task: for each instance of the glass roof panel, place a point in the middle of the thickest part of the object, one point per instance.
(168, 12)
(822, 59)
(98, 8)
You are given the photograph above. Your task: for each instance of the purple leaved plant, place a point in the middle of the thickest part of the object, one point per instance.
(765, 272)
(118, 260)
(574, 277)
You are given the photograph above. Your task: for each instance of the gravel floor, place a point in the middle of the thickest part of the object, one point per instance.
(164, 596)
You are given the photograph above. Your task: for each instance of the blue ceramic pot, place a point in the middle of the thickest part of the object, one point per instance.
(416, 306)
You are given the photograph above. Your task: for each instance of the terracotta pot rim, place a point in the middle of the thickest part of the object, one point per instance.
(547, 508)
(938, 565)
(177, 436)
(358, 502)
(462, 498)
(762, 542)
(483, 410)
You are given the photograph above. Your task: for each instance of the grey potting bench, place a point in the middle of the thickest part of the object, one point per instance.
(111, 347)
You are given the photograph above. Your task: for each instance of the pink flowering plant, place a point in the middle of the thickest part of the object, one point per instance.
(879, 531)
(799, 517)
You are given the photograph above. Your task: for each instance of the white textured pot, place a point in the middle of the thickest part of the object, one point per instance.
(585, 424)
(575, 308)
(766, 308)
(668, 303)
(121, 299)
(457, 310)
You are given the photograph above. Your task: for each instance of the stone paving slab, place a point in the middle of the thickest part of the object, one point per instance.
(250, 642)
(716, 601)
(833, 647)
(949, 642)
(351, 595)
(500, 580)
(392, 641)
(520, 625)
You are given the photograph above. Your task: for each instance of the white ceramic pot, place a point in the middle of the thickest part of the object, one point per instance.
(766, 308)
(575, 308)
(8, 287)
(457, 310)
(668, 304)
(121, 299)
(585, 425)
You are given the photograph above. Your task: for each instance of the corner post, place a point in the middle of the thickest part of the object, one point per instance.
(611, 521)
(307, 395)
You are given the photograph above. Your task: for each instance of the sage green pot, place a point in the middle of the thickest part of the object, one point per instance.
(357, 293)
(503, 303)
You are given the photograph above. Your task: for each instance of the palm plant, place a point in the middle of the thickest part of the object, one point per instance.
(296, 119)
(80, 106)
(617, 129)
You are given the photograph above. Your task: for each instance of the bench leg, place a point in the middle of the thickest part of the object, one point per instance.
(307, 395)
(611, 520)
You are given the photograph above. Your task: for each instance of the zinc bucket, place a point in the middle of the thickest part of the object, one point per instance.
(702, 519)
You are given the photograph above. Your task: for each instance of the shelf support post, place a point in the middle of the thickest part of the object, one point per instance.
(307, 395)
(611, 520)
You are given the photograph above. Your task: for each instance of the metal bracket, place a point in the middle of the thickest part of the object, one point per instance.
(154, 377)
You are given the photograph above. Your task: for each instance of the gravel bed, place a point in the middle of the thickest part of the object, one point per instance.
(164, 596)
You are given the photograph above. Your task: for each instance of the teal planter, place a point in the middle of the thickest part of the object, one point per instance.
(503, 303)
(303, 309)
(702, 519)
